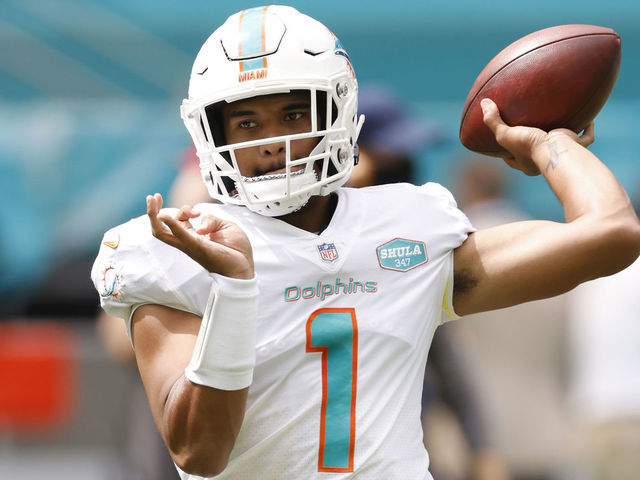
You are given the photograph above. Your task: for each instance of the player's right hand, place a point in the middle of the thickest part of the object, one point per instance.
(218, 245)
(527, 143)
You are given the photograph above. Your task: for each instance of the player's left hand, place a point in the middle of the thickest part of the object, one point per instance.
(526, 143)
(218, 245)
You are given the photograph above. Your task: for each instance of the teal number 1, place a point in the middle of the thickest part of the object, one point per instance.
(334, 332)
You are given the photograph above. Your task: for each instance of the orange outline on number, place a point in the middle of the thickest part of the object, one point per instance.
(354, 373)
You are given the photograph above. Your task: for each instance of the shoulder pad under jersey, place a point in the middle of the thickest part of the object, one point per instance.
(134, 268)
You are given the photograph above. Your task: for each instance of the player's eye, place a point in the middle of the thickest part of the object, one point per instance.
(293, 116)
(247, 124)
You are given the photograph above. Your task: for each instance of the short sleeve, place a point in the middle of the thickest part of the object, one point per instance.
(455, 227)
(454, 223)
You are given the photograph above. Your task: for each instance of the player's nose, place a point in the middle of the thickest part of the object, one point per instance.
(273, 149)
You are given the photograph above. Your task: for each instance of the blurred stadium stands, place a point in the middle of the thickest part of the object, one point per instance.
(89, 96)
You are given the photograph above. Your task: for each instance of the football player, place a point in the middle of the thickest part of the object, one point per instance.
(284, 332)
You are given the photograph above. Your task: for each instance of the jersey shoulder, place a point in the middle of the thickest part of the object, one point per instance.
(429, 207)
(134, 268)
(429, 192)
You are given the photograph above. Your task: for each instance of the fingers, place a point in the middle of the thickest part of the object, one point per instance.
(584, 139)
(176, 227)
(165, 227)
(180, 224)
(209, 224)
(154, 204)
(511, 161)
(186, 212)
(181, 235)
(588, 136)
(491, 116)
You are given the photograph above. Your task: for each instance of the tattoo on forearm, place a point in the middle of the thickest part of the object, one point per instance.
(554, 152)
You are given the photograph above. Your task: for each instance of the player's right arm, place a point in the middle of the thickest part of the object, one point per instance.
(524, 261)
(198, 423)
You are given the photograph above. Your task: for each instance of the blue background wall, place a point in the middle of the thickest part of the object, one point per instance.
(89, 95)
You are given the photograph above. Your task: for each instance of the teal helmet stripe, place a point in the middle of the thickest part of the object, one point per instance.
(252, 38)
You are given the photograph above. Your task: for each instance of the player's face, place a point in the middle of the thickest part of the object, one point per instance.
(268, 116)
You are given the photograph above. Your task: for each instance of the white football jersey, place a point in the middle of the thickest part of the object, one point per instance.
(345, 321)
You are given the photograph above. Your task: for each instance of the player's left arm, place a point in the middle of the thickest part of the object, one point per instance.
(524, 261)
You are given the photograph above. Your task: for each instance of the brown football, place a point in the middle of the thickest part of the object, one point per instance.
(559, 77)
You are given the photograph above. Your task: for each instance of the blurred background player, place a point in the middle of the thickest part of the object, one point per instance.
(484, 192)
(454, 400)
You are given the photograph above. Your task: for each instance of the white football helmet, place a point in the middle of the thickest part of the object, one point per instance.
(263, 51)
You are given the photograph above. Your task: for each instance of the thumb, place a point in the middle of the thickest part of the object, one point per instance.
(491, 115)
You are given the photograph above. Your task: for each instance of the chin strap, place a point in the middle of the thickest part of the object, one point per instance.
(254, 189)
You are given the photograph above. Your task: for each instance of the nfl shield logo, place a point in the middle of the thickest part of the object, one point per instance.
(328, 252)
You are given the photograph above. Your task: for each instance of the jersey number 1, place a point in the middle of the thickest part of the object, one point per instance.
(334, 332)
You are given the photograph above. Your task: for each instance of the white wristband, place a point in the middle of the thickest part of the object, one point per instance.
(224, 354)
